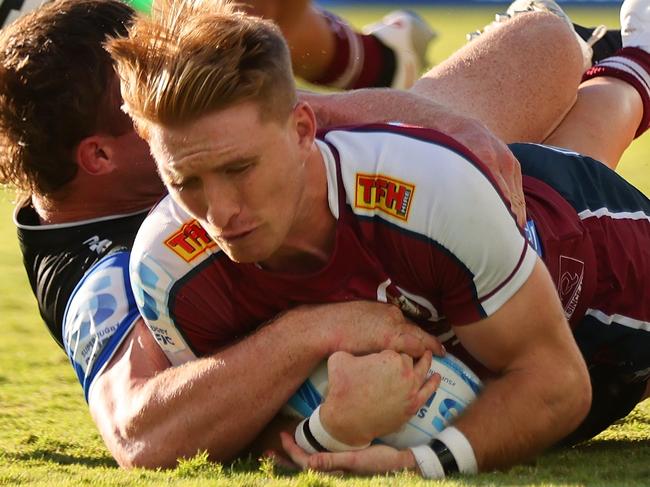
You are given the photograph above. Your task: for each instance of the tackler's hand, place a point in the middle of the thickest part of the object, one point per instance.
(376, 459)
(374, 395)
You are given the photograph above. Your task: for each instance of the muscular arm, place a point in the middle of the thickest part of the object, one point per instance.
(372, 105)
(543, 389)
(151, 414)
(541, 394)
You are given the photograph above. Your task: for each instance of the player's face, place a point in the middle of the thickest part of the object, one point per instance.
(241, 177)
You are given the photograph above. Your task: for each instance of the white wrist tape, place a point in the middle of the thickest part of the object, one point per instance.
(325, 439)
(312, 437)
(301, 438)
(460, 448)
(428, 463)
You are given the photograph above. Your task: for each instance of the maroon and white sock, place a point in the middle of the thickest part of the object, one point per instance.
(632, 65)
(359, 61)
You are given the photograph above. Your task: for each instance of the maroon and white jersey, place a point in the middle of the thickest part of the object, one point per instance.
(419, 224)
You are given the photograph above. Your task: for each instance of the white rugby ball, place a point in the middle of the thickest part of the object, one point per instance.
(458, 387)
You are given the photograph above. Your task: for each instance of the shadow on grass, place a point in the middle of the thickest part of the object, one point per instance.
(611, 445)
(53, 456)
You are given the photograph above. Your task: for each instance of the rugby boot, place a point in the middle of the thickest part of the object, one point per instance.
(635, 24)
(603, 48)
(408, 36)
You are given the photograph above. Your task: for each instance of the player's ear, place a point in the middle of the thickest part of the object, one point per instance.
(305, 123)
(94, 155)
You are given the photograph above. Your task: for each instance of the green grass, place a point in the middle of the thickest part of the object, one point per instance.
(48, 438)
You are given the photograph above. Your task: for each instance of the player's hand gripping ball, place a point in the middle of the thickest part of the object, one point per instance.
(458, 387)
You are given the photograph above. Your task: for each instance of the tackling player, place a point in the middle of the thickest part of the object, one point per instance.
(257, 225)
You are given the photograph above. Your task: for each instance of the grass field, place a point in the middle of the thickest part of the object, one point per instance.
(48, 438)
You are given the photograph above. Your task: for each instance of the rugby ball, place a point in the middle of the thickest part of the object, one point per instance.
(458, 387)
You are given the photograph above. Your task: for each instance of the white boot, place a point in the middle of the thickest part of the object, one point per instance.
(635, 24)
(408, 36)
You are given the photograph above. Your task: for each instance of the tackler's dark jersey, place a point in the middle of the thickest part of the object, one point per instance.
(79, 274)
(56, 257)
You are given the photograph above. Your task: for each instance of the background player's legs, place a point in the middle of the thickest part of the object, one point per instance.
(307, 31)
(603, 122)
(524, 102)
(614, 102)
(326, 50)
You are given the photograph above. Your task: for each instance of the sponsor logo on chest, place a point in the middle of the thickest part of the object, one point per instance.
(190, 241)
(383, 193)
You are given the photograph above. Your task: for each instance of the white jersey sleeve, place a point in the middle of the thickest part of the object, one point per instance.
(429, 187)
(168, 247)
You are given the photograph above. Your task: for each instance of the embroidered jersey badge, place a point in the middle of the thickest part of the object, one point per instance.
(569, 286)
(390, 195)
(190, 241)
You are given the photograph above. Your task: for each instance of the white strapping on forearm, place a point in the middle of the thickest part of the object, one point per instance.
(460, 448)
(428, 463)
(301, 439)
(327, 440)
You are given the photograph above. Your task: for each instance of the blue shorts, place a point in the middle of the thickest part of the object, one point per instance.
(613, 333)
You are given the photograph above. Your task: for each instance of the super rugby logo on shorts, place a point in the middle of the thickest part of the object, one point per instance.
(569, 283)
(190, 241)
(390, 195)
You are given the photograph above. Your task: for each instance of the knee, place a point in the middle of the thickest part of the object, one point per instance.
(553, 41)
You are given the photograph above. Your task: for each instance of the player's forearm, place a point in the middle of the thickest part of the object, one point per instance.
(385, 105)
(149, 414)
(218, 403)
(526, 411)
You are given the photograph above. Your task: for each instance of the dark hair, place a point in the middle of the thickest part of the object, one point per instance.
(57, 86)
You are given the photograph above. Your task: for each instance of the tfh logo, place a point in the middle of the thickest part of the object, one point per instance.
(190, 241)
(376, 192)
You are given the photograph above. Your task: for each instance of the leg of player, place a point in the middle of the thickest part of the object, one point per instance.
(613, 104)
(524, 107)
(309, 34)
(603, 122)
(328, 51)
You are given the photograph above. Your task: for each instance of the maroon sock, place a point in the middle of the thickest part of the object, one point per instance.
(631, 65)
(379, 64)
(359, 61)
